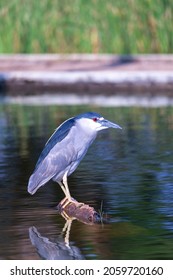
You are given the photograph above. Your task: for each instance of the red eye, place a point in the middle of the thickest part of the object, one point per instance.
(95, 119)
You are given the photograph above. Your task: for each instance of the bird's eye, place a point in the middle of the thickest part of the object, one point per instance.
(95, 119)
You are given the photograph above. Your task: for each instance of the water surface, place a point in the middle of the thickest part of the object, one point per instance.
(126, 175)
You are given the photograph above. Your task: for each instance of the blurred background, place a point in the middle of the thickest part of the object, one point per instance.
(93, 26)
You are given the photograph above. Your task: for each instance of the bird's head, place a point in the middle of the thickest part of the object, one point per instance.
(94, 121)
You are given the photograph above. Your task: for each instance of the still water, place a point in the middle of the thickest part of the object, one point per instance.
(126, 175)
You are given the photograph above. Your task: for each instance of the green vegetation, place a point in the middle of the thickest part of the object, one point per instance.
(86, 26)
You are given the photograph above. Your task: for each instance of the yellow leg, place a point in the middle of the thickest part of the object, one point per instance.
(64, 187)
(66, 231)
(68, 195)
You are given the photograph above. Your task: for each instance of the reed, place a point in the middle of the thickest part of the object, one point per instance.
(92, 26)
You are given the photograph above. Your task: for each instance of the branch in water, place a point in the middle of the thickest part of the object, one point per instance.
(80, 211)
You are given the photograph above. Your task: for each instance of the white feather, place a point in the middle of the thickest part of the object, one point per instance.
(89, 124)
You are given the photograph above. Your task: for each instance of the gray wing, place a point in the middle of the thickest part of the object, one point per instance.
(60, 133)
(53, 158)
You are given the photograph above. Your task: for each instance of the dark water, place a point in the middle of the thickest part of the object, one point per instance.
(127, 175)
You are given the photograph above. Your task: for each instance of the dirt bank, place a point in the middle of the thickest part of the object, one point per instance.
(101, 74)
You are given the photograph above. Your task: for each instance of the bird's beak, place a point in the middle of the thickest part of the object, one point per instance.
(107, 124)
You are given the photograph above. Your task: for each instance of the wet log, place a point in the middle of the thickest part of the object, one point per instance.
(80, 211)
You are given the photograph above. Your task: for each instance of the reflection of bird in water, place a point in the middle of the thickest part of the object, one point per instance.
(65, 149)
(59, 250)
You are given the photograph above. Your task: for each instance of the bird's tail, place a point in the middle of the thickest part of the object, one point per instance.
(36, 181)
(40, 177)
(33, 184)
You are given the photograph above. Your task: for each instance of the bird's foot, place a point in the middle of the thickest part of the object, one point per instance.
(66, 201)
(66, 216)
(69, 201)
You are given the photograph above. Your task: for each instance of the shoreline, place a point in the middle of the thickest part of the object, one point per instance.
(100, 101)
(25, 75)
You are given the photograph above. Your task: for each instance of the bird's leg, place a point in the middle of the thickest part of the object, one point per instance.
(62, 187)
(68, 199)
(67, 235)
(66, 191)
(68, 195)
(66, 231)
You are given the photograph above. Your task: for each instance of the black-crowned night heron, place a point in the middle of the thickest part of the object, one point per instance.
(65, 149)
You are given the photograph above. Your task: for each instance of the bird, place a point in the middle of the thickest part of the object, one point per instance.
(65, 149)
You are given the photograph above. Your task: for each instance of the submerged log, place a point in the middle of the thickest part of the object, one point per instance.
(80, 211)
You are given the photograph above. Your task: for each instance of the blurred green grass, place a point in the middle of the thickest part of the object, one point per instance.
(86, 26)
